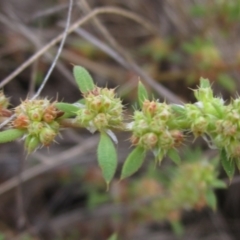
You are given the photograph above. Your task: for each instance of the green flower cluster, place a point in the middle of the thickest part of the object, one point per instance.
(39, 119)
(102, 110)
(155, 128)
(4, 103)
(183, 194)
(210, 116)
(189, 186)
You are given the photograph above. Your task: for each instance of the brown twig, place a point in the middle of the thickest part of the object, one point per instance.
(161, 90)
(73, 27)
(57, 161)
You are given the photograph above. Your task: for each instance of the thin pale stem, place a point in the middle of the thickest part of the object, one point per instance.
(65, 34)
(73, 27)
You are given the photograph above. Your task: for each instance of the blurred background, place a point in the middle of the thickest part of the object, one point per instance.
(169, 45)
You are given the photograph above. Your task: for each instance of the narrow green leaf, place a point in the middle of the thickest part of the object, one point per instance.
(217, 183)
(95, 198)
(83, 79)
(228, 164)
(11, 135)
(178, 109)
(211, 199)
(237, 161)
(142, 93)
(107, 157)
(177, 228)
(68, 108)
(113, 237)
(219, 110)
(174, 156)
(133, 162)
(82, 101)
(227, 82)
(198, 10)
(204, 83)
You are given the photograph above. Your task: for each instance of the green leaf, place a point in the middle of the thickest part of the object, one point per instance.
(211, 199)
(82, 101)
(174, 155)
(107, 157)
(11, 135)
(113, 237)
(227, 82)
(180, 109)
(142, 93)
(133, 162)
(83, 79)
(68, 108)
(204, 83)
(228, 164)
(237, 161)
(177, 227)
(219, 109)
(198, 10)
(217, 183)
(95, 198)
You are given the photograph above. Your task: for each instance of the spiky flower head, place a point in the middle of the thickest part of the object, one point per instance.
(102, 110)
(39, 119)
(154, 128)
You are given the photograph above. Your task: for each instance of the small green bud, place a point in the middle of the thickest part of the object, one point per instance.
(34, 128)
(100, 121)
(166, 140)
(31, 143)
(47, 136)
(4, 102)
(149, 108)
(199, 126)
(228, 128)
(233, 149)
(149, 140)
(54, 126)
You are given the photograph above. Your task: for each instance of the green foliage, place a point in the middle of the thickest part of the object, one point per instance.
(227, 163)
(68, 109)
(83, 79)
(211, 199)
(203, 53)
(11, 135)
(2, 236)
(95, 198)
(227, 10)
(157, 127)
(227, 82)
(204, 83)
(142, 93)
(198, 10)
(175, 189)
(177, 228)
(107, 157)
(174, 156)
(133, 162)
(113, 237)
(157, 49)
